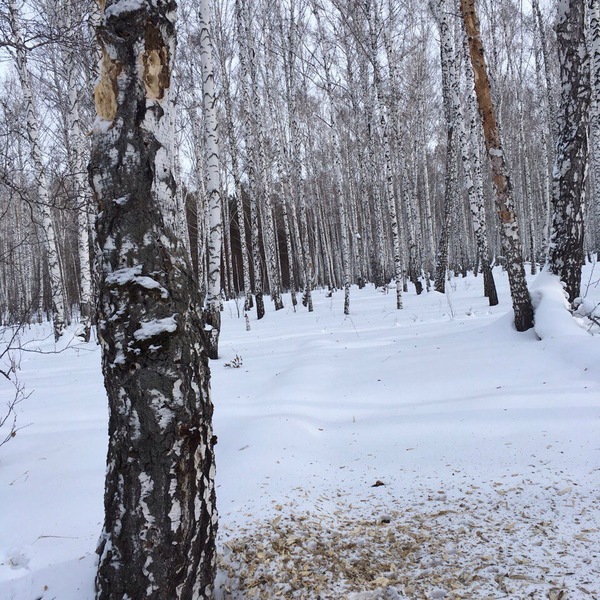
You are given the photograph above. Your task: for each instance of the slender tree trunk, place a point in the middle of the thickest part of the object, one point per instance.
(250, 139)
(550, 103)
(268, 226)
(511, 240)
(594, 51)
(373, 22)
(76, 153)
(235, 168)
(449, 206)
(59, 309)
(337, 171)
(294, 92)
(471, 160)
(212, 311)
(544, 98)
(438, 8)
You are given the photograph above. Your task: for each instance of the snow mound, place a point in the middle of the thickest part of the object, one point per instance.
(553, 317)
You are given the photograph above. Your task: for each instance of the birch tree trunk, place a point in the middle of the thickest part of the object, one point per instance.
(294, 91)
(594, 51)
(337, 170)
(509, 230)
(268, 226)
(471, 160)
(552, 121)
(212, 311)
(248, 115)
(59, 309)
(547, 125)
(399, 162)
(570, 168)
(278, 141)
(373, 22)
(450, 201)
(76, 152)
(158, 539)
(235, 166)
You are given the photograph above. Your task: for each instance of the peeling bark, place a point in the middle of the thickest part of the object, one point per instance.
(158, 540)
(511, 241)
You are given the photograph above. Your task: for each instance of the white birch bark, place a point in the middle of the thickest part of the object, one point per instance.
(438, 9)
(379, 259)
(294, 90)
(59, 313)
(277, 136)
(542, 99)
(551, 112)
(235, 166)
(360, 223)
(248, 116)
(212, 312)
(394, 144)
(264, 211)
(77, 162)
(338, 191)
(594, 51)
(391, 198)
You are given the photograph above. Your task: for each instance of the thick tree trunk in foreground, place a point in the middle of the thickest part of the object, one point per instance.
(160, 515)
(509, 230)
(570, 167)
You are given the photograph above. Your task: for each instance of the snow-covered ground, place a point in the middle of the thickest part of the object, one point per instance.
(431, 452)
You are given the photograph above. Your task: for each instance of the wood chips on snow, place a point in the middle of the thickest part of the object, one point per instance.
(498, 543)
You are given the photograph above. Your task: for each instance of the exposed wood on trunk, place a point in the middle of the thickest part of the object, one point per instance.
(511, 241)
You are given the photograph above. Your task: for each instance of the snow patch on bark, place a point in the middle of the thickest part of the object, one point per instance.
(123, 6)
(133, 275)
(175, 512)
(149, 329)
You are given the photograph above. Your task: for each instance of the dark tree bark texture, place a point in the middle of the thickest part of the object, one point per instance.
(570, 169)
(160, 516)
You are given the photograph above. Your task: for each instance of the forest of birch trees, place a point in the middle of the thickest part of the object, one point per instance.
(316, 143)
(158, 159)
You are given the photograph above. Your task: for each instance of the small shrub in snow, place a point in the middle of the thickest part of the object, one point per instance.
(234, 363)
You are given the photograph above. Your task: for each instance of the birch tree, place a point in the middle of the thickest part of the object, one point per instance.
(570, 167)
(448, 69)
(76, 154)
(337, 169)
(212, 312)
(594, 52)
(509, 230)
(59, 309)
(249, 125)
(373, 23)
(160, 516)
